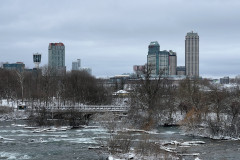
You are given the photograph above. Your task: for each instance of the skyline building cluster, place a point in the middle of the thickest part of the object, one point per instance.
(158, 62)
(161, 62)
(165, 62)
(56, 61)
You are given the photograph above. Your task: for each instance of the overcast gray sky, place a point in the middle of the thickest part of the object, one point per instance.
(111, 36)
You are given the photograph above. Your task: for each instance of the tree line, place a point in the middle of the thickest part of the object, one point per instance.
(74, 87)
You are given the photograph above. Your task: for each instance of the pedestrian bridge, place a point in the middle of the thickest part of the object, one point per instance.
(89, 108)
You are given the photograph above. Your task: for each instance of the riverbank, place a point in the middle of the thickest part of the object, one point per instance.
(204, 132)
(177, 117)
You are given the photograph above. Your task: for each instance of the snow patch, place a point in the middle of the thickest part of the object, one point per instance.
(169, 132)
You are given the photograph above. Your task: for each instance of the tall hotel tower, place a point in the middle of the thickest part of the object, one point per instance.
(56, 57)
(192, 54)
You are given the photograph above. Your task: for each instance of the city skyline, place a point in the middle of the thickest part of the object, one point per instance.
(111, 36)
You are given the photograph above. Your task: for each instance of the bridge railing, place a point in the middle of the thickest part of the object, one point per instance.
(89, 108)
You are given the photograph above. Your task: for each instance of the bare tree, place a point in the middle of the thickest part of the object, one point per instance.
(47, 83)
(170, 101)
(218, 99)
(234, 110)
(146, 99)
(8, 84)
(20, 76)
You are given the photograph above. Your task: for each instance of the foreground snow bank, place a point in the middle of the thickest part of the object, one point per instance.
(9, 103)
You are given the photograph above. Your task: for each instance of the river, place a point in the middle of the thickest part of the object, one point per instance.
(19, 143)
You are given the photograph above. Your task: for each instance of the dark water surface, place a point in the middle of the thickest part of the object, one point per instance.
(19, 143)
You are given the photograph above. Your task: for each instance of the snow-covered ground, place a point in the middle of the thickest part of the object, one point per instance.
(9, 103)
(13, 113)
(17, 114)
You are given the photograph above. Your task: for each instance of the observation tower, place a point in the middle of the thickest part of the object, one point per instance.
(37, 59)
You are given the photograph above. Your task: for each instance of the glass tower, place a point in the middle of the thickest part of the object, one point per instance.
(153, 58)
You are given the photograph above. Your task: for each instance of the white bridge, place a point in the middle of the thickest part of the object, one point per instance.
(89, 108)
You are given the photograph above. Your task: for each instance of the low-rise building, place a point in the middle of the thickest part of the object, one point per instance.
(139, 70)
(224, 80)
(181, 70)
(18, 66)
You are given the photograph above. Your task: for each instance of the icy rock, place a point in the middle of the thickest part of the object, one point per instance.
(189, 143)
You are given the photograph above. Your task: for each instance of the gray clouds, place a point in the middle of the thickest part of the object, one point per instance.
(110, 36)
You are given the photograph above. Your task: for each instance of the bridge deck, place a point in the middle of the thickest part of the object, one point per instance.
(88, 108)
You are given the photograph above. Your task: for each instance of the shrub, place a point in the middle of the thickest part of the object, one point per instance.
(5, 110)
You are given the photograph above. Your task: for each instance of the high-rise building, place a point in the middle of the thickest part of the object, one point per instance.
(192, 54)
(164, 62)
(56, 57)
(76, 65)
(153, 58)
(172, 63)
